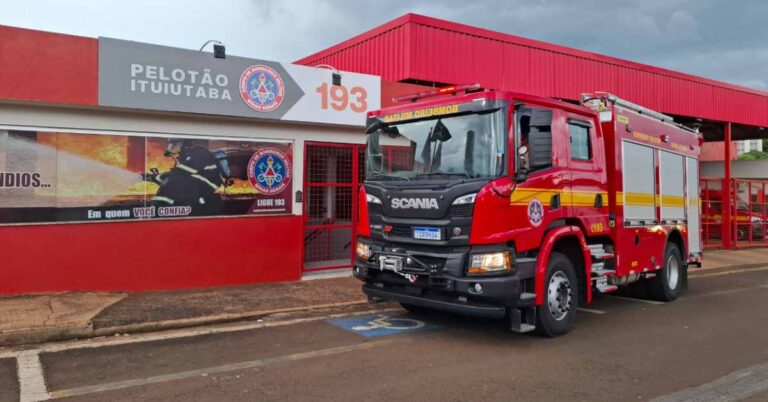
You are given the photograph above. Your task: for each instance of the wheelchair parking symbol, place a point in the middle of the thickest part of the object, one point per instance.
(381, 324)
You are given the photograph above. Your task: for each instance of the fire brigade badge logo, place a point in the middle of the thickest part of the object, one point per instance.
(269, 171)
(535, 212)
(262, 88)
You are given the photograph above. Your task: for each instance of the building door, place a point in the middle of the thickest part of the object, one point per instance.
(332, 173)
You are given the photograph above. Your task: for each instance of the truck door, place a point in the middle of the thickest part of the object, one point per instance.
(587, 184)
(539, 170)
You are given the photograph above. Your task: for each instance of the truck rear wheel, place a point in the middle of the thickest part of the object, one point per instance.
(556, 316)
(668, 283)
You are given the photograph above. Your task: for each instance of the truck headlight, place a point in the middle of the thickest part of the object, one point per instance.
(465, 199)
(363, 251)
(489, 263)
(372, 199)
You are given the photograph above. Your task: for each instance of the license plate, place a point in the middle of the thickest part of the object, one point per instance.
(426, 233)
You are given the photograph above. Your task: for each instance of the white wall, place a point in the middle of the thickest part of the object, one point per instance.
(755, 169)
(48, 118)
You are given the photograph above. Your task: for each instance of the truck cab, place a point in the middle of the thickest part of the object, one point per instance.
(488, 203)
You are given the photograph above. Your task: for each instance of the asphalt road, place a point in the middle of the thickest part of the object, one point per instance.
(621, 350)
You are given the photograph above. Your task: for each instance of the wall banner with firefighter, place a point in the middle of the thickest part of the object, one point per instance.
(48, 177)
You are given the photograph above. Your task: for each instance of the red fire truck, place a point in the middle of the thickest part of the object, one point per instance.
(513, 206)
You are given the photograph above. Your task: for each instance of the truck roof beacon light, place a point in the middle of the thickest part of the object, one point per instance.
(453, 89)
(219, 50)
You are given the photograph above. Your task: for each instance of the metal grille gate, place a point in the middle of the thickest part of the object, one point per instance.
(332, 174)
(748, 209)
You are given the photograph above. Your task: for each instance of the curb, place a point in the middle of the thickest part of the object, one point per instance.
(727, 267)
(50, 334)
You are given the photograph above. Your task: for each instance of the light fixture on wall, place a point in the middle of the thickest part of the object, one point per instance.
(219, 50)
(335, 77)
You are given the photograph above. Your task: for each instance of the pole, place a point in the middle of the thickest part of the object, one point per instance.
(727, 202)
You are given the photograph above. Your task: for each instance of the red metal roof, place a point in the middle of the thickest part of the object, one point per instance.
(416, 47)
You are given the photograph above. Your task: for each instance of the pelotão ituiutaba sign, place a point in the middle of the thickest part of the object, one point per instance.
(143, 76)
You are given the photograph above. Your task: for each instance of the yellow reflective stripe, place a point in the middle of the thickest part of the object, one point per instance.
(580, 198)
(694, 202)
(675, 201)
(206, 181)
(639, 199)
(586, 198)
(209, 167)
(187, 168)
(523, 196)
(163, 199)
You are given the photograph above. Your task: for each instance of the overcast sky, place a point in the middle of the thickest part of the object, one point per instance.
(725, 40)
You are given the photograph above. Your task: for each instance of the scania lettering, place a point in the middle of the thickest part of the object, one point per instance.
(518, 207)
(418, 203)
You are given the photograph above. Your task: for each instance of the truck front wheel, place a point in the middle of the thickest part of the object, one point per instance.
(668, 283)
(556, 316)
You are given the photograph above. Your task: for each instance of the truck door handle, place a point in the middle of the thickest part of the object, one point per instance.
(554, 202)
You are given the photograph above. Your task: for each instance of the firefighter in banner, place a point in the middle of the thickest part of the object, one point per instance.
(193, 181)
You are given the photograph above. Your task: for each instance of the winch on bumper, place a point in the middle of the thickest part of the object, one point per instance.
(440, 281)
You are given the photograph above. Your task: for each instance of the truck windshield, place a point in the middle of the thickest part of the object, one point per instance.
(467, 146)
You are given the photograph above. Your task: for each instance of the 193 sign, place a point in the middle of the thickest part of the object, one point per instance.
(340, 98)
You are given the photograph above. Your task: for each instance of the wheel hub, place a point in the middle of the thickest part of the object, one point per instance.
(673, 272)
(559, 296)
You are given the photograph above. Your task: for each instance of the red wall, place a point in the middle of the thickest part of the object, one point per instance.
(714, 151)
(131, 256)
(392, 89)
(44, 66)
(124, 256)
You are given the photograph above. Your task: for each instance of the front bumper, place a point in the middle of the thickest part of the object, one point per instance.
(437, 303)
(443, 289)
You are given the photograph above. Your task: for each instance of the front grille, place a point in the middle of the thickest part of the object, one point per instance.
(401, 231)
(460, 211)
(375, 209)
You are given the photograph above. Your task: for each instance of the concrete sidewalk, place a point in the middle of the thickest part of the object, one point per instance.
(48, 317)
(40, 318)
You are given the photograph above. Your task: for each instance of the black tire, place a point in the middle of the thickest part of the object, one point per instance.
(670, 280)
(556, 316)
(412, 308)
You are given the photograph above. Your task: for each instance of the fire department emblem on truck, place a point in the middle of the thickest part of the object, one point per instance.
(535, 212)
(262, 88)
(269, 171)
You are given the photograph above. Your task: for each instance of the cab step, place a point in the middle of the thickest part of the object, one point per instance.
(602, 285)
(598, 252)
(598, 269)
(525, 296)
(522, 319)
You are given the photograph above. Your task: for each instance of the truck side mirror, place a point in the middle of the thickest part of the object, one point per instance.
(469, 153)
(375, 159)
(374, 126)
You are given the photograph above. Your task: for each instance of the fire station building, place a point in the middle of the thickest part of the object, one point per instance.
(129, 166)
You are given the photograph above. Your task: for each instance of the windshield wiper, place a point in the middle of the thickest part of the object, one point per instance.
(463, 175)
(375, 176)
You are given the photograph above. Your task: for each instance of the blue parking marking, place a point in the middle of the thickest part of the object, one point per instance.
(375, 325)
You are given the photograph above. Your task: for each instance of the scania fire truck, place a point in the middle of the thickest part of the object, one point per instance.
(513, 206)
